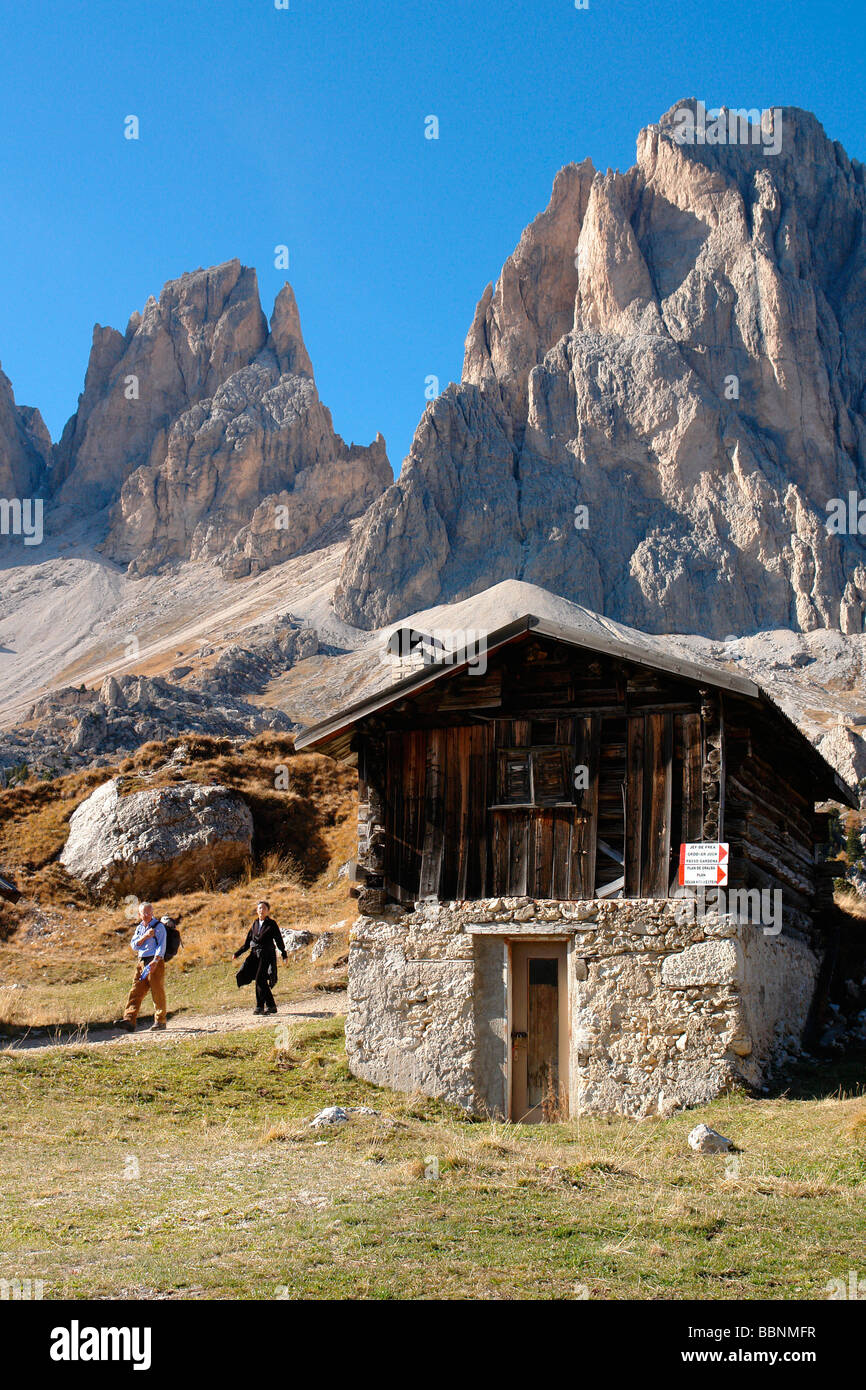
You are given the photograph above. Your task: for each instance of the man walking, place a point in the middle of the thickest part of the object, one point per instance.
(148, 941)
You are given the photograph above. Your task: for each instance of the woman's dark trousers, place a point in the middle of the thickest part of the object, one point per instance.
(264, 997)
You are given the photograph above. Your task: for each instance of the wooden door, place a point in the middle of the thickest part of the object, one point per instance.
(454, 842)
(648, 805)
(406, 779)
(539, 1031)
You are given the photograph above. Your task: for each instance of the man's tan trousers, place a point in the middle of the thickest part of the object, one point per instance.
(155, 982)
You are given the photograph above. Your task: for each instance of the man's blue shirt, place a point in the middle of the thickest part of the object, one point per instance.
(155, 945)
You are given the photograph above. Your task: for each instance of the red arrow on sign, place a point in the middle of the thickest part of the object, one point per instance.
(722, 870)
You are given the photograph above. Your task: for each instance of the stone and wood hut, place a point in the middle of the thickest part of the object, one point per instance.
(525, 947)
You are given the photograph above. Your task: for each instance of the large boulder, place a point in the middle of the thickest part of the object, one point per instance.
(158, 841)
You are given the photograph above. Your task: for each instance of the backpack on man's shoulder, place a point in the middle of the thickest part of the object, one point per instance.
(173, 942)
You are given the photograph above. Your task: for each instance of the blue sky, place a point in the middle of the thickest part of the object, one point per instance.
(305, 127)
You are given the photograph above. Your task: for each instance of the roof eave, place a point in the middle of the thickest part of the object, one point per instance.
(327, 730)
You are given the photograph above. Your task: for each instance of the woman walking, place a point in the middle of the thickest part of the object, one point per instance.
(263, 939)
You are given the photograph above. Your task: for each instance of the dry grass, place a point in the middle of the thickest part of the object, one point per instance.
(856, 1127)
(238, 1196)
(852, 904)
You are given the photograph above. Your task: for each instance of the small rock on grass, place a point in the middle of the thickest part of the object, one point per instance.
(708, 1141)
(296, 940)
(324, 942)
(331, 1115)
(339, 1115)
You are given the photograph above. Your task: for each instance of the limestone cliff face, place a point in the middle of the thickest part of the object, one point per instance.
(679, 350)
(201, 431)
(25, 447)
(203, 327)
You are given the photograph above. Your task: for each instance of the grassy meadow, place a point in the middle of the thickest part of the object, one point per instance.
(189, 1170)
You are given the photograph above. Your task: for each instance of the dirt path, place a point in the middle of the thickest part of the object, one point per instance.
(181, 1025)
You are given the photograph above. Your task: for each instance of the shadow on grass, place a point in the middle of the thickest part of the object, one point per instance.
(44, 1034)
(821, 1080)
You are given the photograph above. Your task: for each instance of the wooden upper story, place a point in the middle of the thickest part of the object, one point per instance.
(572, 765)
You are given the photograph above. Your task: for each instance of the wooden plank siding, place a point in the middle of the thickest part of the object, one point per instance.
(769, 815)
(634, 806)
(447, 838)
(433, 842)
(610, 818)
(470, 792)
(657, 878)
(689, 743)
(664, 798)
(648, 805)
(542, 854)
(406, 812)
(445, 841)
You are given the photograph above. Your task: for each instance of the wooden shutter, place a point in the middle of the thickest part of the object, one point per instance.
(550, 776)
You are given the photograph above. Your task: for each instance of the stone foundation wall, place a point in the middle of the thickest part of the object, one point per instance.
(411, 1020)
(664, 1011)
(780, 976)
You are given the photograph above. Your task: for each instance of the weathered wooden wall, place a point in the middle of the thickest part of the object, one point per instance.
(468, 789)
(770, 820)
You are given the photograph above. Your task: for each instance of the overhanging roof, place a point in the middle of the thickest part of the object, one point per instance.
(329, 735)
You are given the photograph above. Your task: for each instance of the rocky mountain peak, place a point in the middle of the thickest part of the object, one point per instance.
(200, 433)
(286, 338)
(204, 326)
(660, 397)
(25, 447)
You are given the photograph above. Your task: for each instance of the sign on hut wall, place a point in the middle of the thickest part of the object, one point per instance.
(704, 864)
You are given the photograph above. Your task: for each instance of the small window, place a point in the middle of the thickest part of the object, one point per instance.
(533, 777)
(543, 971)
(515, 781)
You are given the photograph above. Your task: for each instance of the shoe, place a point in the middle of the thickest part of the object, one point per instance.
(258, 1011)
(128, 1024)
(271, 1011)
(157, 1027)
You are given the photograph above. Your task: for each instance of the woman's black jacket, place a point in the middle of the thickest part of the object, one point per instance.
(262, 941)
